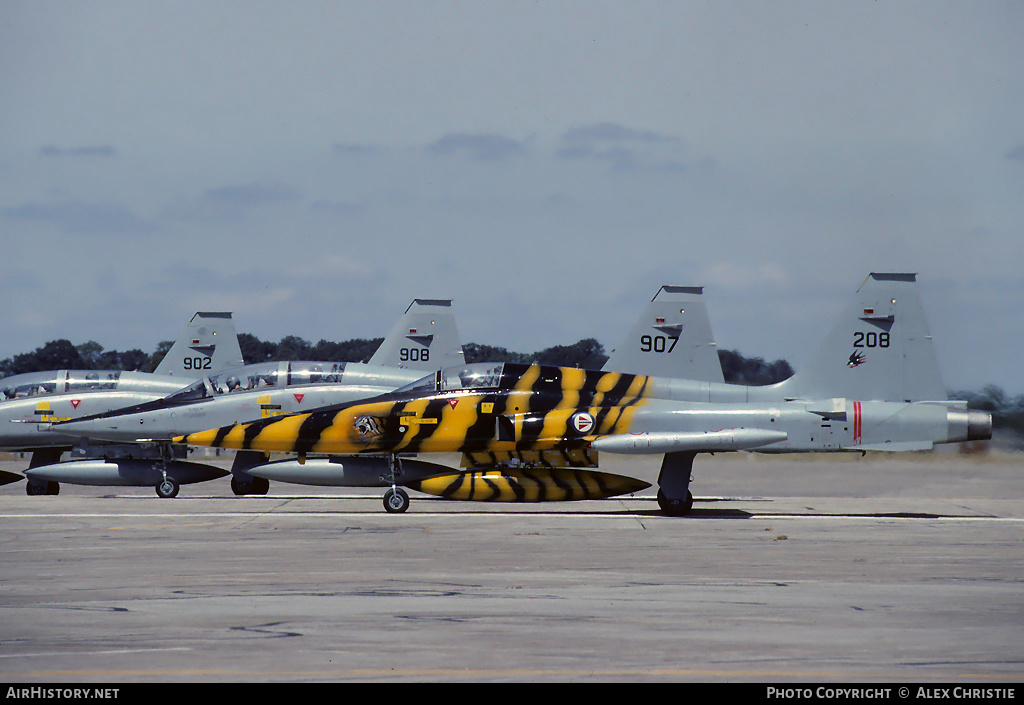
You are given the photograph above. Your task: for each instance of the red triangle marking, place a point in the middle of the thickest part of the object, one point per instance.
(76, 402)
(298, 398)
(453, 402)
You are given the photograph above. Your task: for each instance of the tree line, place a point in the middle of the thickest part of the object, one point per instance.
(1007, 412)
(586, 353)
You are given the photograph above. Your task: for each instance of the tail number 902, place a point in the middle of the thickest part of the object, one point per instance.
(658, 343)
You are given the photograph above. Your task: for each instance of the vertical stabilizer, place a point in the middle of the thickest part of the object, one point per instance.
(209, 344)
(880, 349)
(672, 338)
(425, 338)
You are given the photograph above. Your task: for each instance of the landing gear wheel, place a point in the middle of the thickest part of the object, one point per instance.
(675, 507)
(257, 485)
(240, 487)
(167, 488)
(48, 487)
(396, 500)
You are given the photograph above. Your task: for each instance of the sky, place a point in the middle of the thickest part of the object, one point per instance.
(314, 166)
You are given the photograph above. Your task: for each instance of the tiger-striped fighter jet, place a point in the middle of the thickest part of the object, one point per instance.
(873, 384)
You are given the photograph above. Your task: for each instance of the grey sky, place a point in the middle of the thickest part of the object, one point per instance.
(314, 166)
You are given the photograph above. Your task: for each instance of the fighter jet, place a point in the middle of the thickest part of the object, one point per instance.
(425, 338)
(539, 417)
(32, 401)
(673, 333)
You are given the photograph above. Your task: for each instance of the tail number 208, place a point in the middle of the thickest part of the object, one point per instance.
(870, 339)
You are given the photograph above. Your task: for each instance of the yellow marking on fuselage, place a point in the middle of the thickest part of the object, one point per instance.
(459, 414)
(572, 383)
(280, 435)
(604, 385)
(556, 423)
(617, 419)
(519, 397)
(635, 391)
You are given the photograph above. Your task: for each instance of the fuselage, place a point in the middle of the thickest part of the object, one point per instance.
(32, 402)
(505, 408)
(265, 391)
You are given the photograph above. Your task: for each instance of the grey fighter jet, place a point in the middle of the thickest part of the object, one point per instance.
(31, 402)
(873, 384)
(425, 338)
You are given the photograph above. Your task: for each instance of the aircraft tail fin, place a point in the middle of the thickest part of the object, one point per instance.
(671, 338)
(880, 349)
(208, 344)
(425, 338)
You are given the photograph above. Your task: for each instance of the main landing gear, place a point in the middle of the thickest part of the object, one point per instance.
(167, 487)
(396, 500)
(675, 507)
(674, 496)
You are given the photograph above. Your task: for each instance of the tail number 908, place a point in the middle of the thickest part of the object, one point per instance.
(658, 343)
(414, 354)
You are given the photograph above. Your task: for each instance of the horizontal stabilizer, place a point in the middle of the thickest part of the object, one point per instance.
(699, 441)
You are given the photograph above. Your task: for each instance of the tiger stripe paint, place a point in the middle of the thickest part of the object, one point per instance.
(537, 402)
(528, 485)
(557, 458)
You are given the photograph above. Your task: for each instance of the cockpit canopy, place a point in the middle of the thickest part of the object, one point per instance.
(30, 384)
(480, 375)
(265, 375)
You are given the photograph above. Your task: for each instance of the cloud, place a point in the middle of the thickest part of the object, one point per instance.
(611, 132)
(83, 218)
(623, 148)
(249, 195)
(482, 147)
(1016, 154)
(355, 150)
(231, 202)
(77, 152)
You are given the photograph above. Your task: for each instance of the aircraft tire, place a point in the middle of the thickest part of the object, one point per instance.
(42, 488)
(260, 485)
(240, 487)
(167, 488)
(675, 507)
(396, 501)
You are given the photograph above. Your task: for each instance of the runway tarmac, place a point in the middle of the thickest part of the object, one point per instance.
(900, 569)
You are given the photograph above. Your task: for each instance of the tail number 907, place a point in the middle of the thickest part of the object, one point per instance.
(658, 343)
